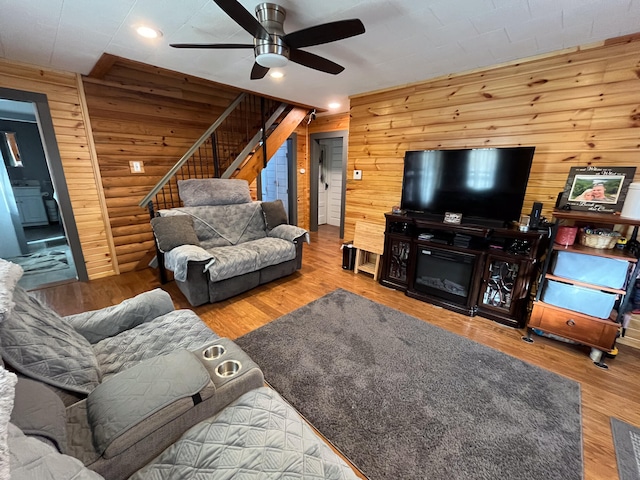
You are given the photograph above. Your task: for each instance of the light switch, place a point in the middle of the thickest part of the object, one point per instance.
(357, 174)
(136, 166)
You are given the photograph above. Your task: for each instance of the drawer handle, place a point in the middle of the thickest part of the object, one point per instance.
(571, 323)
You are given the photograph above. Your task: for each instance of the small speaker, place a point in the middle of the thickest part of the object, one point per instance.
(536, 211)
(558, 199)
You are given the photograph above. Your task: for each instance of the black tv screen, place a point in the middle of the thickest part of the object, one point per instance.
(482, 183)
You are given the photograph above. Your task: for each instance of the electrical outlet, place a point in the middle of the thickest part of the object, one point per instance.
(357, 174)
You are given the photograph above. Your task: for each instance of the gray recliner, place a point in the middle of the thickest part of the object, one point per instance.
(129, 379)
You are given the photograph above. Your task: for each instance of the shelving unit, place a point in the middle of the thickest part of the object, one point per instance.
(589, 321)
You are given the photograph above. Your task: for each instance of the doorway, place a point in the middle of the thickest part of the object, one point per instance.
(277, 179)
(35, 209)
(328, 166)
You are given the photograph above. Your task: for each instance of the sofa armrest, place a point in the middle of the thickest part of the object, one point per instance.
(291, 233)
(135, 402)
(107, 322)
(178, 259)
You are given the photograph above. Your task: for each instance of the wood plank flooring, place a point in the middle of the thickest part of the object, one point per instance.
(605, 393)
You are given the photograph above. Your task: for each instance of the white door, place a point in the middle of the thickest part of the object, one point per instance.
(330, 182)
(275, 178)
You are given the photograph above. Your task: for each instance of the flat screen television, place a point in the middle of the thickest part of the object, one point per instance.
(485, 185)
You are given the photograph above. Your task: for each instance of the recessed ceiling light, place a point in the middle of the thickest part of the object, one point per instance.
(334, 105)
(276, 74)
(148, 32)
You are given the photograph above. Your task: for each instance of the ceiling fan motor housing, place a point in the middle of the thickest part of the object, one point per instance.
(271, 52)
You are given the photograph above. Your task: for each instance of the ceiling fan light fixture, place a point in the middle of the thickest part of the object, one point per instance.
(271, 60)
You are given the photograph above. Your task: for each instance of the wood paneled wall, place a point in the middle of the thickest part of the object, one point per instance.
(64, 93)
(147, 114)
(579, 107)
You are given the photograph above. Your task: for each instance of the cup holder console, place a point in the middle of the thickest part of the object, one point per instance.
(213, 352)
(228, 368)
(226, 362)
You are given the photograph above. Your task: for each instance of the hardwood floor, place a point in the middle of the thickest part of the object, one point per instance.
(605, 393)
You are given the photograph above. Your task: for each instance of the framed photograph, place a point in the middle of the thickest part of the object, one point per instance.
(596, 189)
(453, 218)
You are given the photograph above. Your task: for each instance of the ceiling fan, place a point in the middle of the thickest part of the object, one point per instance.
(272, 47)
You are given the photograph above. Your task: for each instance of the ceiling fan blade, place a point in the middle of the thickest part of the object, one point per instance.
(324, 33)
(258, 71)
(242, 17)
(212, 45)
(314, 61)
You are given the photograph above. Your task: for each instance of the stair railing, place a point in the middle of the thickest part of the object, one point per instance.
(189, 153)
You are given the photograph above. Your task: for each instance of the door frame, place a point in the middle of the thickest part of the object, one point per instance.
(56, 172)
(314, 164)
(292, 178)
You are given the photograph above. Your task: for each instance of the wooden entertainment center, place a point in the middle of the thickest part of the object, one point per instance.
(468, 268)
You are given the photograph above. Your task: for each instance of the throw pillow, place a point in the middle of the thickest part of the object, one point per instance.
(213, 191)
(274, 214)
(171, 232)
(7, 388)
(37, 343)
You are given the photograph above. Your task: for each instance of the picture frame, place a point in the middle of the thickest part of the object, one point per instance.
(452, 218)
(596, 189)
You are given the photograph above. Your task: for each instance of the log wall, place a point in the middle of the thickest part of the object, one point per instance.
(147, 114)
(73, 135)
(578, 107)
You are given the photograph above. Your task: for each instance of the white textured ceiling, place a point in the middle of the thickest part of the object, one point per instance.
(405, 40)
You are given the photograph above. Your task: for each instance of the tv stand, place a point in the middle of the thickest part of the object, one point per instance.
(469, 268)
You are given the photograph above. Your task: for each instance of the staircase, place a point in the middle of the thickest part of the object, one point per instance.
(236, 145)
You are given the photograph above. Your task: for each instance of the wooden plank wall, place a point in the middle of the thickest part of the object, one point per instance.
(579, 107)
(63, 91)
(148, 114)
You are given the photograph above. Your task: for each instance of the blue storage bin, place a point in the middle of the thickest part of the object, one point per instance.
(579, 299)
(605, 272)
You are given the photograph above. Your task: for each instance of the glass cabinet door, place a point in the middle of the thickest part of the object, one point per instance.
(499, 282)
(399, 260)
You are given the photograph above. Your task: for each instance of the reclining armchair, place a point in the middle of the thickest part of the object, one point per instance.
(114, 387)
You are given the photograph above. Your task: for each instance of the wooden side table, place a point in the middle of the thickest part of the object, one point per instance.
(369, 243)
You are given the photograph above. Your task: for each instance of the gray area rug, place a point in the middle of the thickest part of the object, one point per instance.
(626, 439)
(403, 399)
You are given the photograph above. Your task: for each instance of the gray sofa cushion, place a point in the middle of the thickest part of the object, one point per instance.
(271, 251)
(231, 261)
(39, 344)
(213, 191)
(127, 399)
(106, 322)
(171, 232)
(161, 336)
(257, 436)
(32, 459)
(274, 214)
(38, 411)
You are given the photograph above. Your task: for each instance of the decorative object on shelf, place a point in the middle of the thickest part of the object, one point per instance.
(524, 223)
(631, 208)
(566, 235)
(598, 237)
(596, 189)
(452, 218)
